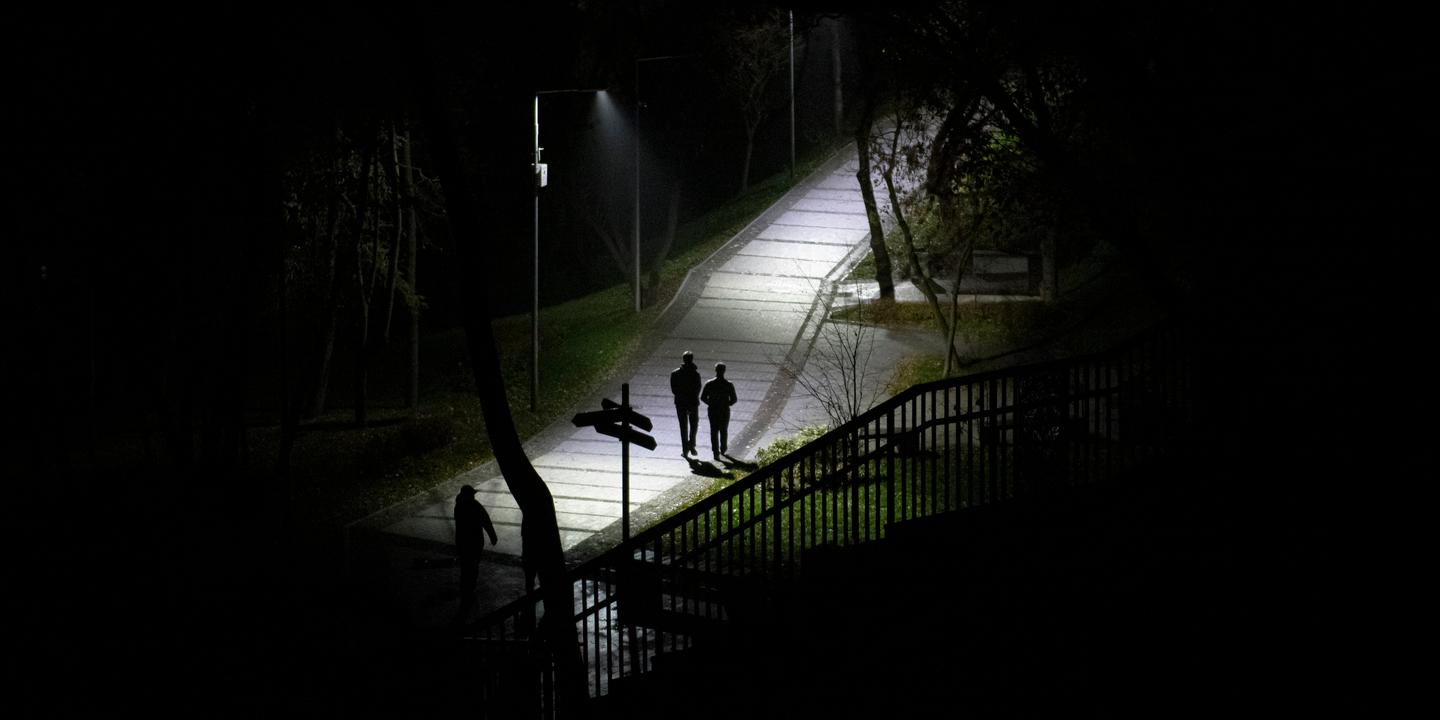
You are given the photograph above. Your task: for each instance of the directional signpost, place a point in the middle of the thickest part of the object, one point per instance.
(615, 420)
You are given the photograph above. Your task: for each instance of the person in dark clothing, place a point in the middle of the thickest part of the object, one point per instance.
(472, 524)
(685, 386)
(718, 395)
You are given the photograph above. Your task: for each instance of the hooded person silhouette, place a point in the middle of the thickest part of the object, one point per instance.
(472, 524)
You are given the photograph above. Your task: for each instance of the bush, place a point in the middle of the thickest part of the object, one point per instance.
(785, 445)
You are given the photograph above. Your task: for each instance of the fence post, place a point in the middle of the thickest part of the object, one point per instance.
(889, 468)
(848, 477)
(779, 537)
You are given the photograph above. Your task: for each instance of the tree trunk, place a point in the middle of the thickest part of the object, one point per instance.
(289, 417)
(618, 245)
(919, 276)
(965, 256)
(330, 302)
(275, 231)
(1049, 273)
(322, 372)
(883, 274)
(362, 370)
(837, 78)
(362, 344)
(667, 240)
(749, 151)
(392, 268)
(541, 547)
(411, 230)
(917, 271)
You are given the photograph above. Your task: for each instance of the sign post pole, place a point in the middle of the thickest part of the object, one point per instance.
(616, 420)
(625, 464)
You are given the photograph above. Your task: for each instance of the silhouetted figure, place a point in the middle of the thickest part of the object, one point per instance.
(718, 395)
(685, 386)
(472, 524)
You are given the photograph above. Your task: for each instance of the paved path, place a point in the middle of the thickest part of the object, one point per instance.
(757, 305)
(754, 305)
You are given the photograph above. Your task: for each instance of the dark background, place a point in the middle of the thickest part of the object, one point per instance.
(1290, 149)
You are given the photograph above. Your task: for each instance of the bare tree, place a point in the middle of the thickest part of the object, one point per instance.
(883, 274)
(837, 372)
(890, 159)
(837, 76)
(328, 301)
(601, 203)
(541, 546)
(348, 215)
(651, 283)
(366, 268)
(754, 52)
(412, 231)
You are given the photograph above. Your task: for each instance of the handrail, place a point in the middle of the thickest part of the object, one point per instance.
(934, 447)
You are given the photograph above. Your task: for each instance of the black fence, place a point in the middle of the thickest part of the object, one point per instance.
(934, 448)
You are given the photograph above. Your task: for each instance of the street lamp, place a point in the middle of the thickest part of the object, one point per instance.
(637, 166)
(539, 178)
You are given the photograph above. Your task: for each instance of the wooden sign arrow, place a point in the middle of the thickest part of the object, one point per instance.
(627, 413)
(614, 415)
(632, 436)
(596, 417)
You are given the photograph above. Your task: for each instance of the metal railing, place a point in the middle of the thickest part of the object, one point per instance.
(934, 448)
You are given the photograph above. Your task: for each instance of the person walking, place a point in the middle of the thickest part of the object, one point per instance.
(685, 386)
(472, 524)
(718, 395)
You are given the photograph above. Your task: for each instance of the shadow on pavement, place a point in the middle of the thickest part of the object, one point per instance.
(699, 467)
(734, 462)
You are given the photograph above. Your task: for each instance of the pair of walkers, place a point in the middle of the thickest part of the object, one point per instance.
(717, 393)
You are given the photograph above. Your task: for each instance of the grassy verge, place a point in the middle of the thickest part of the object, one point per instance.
(1101, 302)
(981, 323)
(909, 371)
(863, 270)
(915, 369)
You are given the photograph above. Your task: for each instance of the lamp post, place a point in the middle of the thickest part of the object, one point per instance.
(539, 178)
(792, 94)
(637, 166)
(536, 182)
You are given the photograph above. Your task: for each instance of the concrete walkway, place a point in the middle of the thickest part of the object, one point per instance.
(755, 305)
